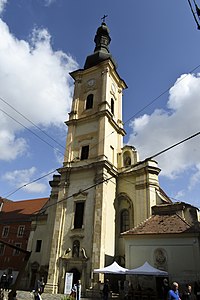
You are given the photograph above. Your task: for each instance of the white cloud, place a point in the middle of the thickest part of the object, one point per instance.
(58, 156)
(11, 147)
(49, 2)
(163, 128)
(2, 5)
(195, 178)
(18, 178)
(41, 87)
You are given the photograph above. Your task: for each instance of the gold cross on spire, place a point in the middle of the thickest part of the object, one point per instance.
(104, 18)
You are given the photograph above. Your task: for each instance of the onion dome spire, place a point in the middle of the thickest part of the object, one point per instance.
(101, 51)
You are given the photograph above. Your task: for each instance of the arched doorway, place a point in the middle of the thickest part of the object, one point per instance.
(76, 275)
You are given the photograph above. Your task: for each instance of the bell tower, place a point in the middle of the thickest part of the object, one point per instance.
(95, 129)
(103, 189)
(84, 229)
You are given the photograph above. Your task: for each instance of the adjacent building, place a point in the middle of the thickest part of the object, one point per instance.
(15, 229)
(169, 240)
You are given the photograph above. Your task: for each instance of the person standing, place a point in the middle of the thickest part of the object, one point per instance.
(165, 288)
(3, 280)
(37, 296)
(106, 290)
(173, 293)
(42, 285)
(188, 294)
(9, 281)
(1, 294)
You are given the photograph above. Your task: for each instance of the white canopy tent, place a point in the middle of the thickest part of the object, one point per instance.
(114, 268)
(146, 269)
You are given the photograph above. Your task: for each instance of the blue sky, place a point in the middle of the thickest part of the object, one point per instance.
(155, 43)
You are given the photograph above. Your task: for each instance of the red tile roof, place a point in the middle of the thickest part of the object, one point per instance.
(161, 224)
(13, 210)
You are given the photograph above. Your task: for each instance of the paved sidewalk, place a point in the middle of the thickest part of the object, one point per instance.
(22, 295)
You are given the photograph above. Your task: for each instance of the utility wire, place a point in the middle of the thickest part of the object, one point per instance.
(27, 119)
(26, 184)
(195, 18)
(35, 134)
(169, 148)
(150, 103)
(123, 172)
(161, 94)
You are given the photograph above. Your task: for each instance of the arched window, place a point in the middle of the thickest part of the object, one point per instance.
(89, 101)
(76, 248)
(124, 220)
(112, 106)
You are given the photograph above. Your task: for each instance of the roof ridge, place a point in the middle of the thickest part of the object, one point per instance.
(183, 219)
(139, 225)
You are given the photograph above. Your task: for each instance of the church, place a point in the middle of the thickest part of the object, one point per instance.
(102, 189)
(105, 204)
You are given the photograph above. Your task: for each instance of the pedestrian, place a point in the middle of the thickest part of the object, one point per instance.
(165, 289)
(3, 280)
(126, 289)
(106, 290)
(73, 292)
(9, 281)
(188, 293)
(1, 294)
(173, 293)
(38, 287)
(78, 290)
(37, 295)
(42, 285)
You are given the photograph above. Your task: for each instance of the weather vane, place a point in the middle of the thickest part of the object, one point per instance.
(104, 18)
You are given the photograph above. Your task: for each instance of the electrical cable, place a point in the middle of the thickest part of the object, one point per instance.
(161, 94)
(26, 184)
(155, 99)
(125, 171)
(27, 119)
(31, 131)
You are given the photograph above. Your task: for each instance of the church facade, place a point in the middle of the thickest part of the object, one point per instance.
(103, 189)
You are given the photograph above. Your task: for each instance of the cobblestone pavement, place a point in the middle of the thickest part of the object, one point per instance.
(22, 295)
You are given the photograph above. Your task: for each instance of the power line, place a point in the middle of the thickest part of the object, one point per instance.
(150, 103)
(35, 134)
(161, 94)
(193, 13)
(27, 119)
(26, 184)
(125, 171)
(174, 145)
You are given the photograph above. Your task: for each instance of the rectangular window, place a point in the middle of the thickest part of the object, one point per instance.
(85, 152)
(2, 248)
(16, 251)
(20, 231)
(78, 217)
(38, 246)
(5, 231)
